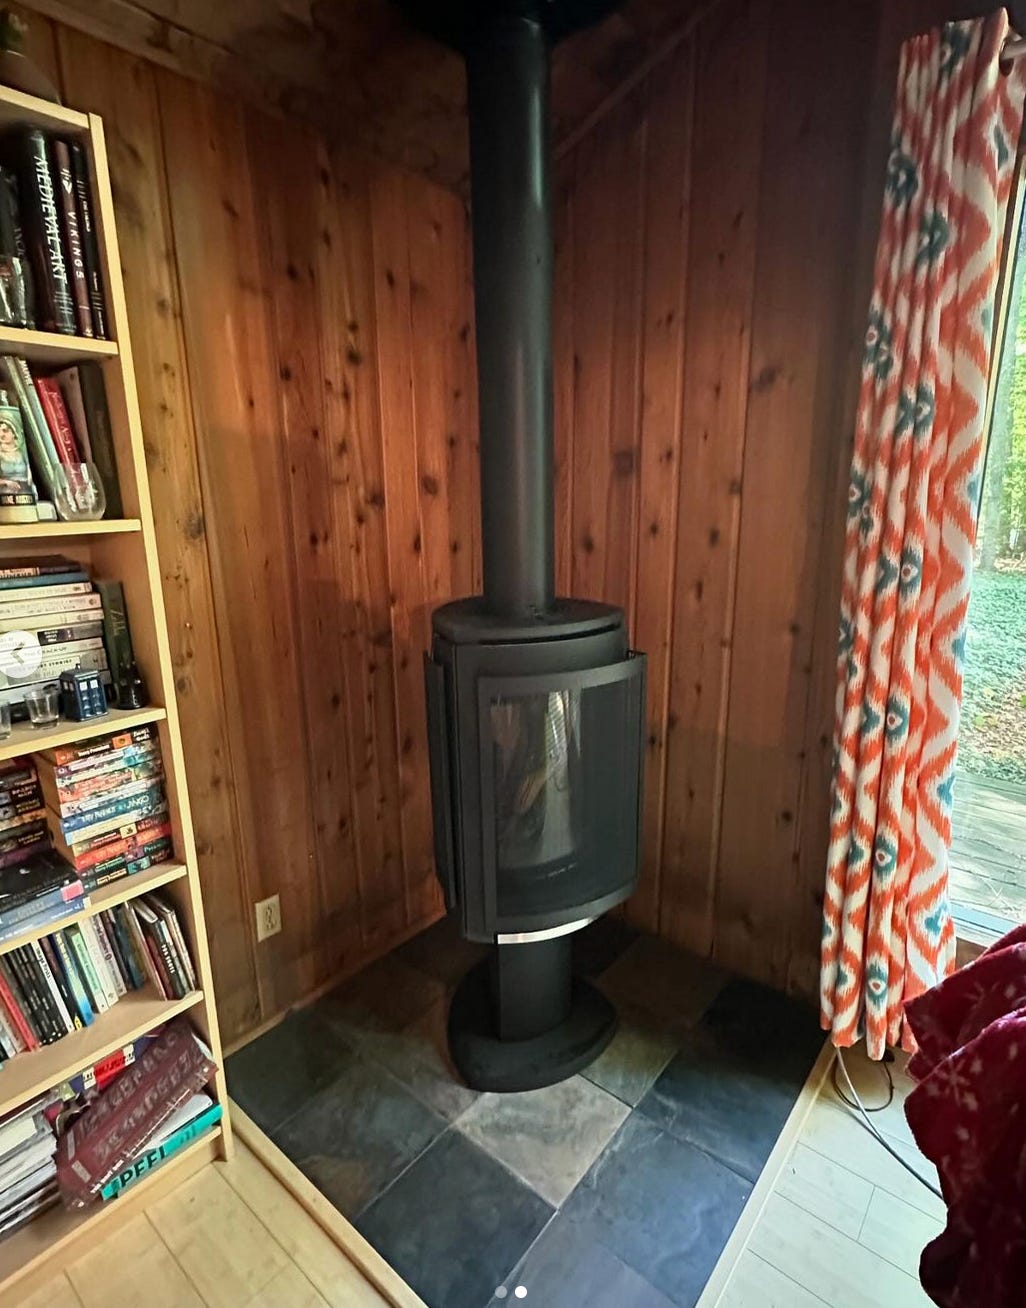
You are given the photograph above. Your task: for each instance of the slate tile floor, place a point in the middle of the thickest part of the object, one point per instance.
(616, 1189)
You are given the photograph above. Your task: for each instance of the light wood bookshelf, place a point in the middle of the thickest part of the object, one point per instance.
(123, 549)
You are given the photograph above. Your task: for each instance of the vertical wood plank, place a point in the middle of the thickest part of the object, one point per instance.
(564, 372)
(286, 166)
(405, 527)
(122, 90)
(664, 234)
(345, 289)
(807, 229)
(237, 409)
(731, 62)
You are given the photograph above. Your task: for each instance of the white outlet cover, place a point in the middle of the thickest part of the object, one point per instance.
(268, 917)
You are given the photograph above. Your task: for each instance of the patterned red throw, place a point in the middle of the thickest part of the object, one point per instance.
(968, 1116)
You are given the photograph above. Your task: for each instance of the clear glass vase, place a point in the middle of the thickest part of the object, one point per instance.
(78, 493)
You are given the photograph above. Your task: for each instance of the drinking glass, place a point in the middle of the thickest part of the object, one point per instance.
(5, 721)
(43, 704)
(78, 493)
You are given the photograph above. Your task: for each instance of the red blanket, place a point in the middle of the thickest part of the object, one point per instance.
(968, 1116)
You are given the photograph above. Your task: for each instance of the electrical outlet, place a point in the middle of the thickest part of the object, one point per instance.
(268, 917)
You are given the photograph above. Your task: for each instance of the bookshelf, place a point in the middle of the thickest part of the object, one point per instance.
(123, 549)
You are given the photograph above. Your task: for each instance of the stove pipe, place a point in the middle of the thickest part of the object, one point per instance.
(508, 107)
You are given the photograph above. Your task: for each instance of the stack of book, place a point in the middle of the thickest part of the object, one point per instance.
(38, 889)
(28, 1166)
(46, 214)
(54, 618)
(106, 805)
(60, 983)
(23, 830)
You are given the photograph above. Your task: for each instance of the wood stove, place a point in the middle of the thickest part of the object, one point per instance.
(536, 704)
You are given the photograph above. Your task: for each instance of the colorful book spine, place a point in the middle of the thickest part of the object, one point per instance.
(52, 403)
(99, 961)
(74, 979)
(113, 808)
(153, 1158)
(41, 217)
(80, 950)
(66, 755)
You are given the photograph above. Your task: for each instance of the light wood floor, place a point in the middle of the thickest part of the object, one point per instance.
(844, 1224)
(231, 1236)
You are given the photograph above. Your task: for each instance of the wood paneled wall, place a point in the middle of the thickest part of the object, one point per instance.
(302, 331)
(713, 235)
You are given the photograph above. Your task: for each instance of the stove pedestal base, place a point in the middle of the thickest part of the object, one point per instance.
(559, 1028)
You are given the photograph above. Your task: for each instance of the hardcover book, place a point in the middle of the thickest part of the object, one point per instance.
(55, 311)
(73, 238)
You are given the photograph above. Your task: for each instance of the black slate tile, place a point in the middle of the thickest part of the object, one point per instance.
(385, 997)
(565, 1268)
(273, 1075)
(675, 988)
(736, 1076)
(442, 952)
(454, 1224)
(661, 1206)
(357, 1134)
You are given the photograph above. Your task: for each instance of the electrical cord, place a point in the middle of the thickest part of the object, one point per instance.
(857, 1105)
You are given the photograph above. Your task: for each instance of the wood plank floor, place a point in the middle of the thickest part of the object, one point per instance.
(845, 1223)
(988, 847)
(231, 1236)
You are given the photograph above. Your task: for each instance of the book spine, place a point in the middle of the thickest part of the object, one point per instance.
(30, 594)
(169, 957)
(95, 802)
(11, 930)
(47, 982)
(145, 952)
(145, 751)
(158, 808)
(52, 403)
(61, 635)
(74, 979)
(90, 243)
(140, 845)
(44, 621)
(73, 650)
(106, 776)
(99, 961)
(89, 753)
(67, 998)
(101, 437)
(113, 808)
(33, 989)
(133, 944)
(182, 952)
(110, 955)
(11, 586)
(97, 994)
(7, 1036)
(152, 1158)
(54, 306)
(73, 238)
(13, 1002)
(135, 976)
(37, 434)
(32, 844)
(116, 633)
(22, 819)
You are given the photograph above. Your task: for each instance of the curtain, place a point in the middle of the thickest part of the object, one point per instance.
(914, 490)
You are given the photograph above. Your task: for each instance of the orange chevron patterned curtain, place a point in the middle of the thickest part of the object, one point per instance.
(919, 440)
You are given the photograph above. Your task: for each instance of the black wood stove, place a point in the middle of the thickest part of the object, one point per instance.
(535, 703)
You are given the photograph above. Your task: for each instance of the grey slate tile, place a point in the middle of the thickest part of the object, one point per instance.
(419, 1057)
(441, 952)
(564, 1268)
(271, 1076)
(663, 1207)
(548, 1137)
(675, 988)
(454, 1224)
(639, 1051)
(386, 996)
(357, 1134)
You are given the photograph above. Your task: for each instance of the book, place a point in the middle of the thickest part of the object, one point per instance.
(42, 229)
(22, 841)
(49, 975)
(66, 796)
(73, 977)
(43, 918)
(10, 586)
(167, 913)
(135, 976)
(155, 1154)
(31, 567)
(66, 755)
(142, 799)
(90, 242)
(12, 1041)
(156, 930)
(107, 800)
(18, 496)
(115, 1128)
(145, 954)
(29, 993)
(56, 414)
(38, 438)
(106, 771)
(115, 965)
(116, 634)
(155, 808)
(101, 435)
(83, 959)
(32, 592)
(17, 305)
(12, 1003)
(98, 958)
(72, 237)
(36, 875)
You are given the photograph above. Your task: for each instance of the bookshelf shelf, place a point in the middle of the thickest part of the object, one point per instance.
(133, 1015)
(116, 893)
(58, 1228)
(28, 531)
(26, 739)
(17, 109)
(53, 348)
